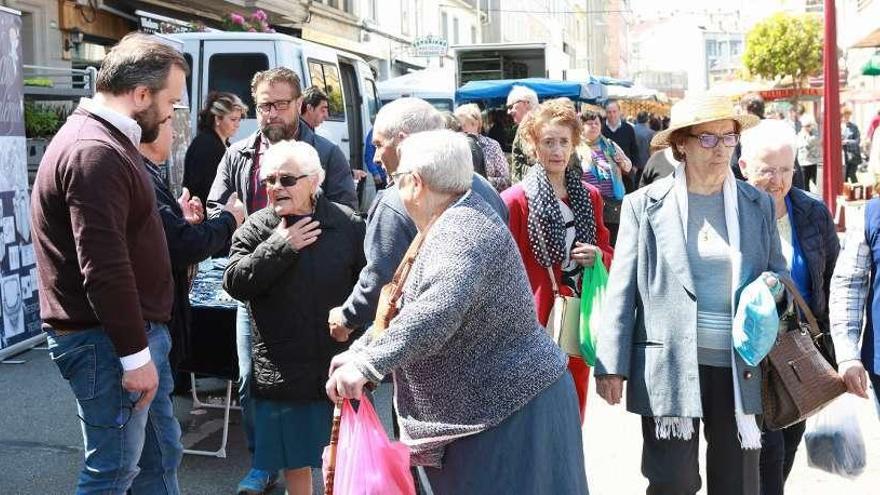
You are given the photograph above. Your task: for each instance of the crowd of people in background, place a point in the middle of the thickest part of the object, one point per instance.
(683, 211)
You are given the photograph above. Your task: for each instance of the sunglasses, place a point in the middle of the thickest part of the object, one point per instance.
(709, 141)
(284, 180)
(122, 418)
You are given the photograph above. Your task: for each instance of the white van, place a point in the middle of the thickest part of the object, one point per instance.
(226, 61)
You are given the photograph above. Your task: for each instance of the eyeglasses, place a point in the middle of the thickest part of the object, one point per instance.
(511, 105)
(277, 105)
(122, 419)
(284, 180)
(710, 141)
(398, 175)
(767, 173)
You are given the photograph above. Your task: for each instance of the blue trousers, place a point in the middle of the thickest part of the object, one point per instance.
(243, 343)
(124, 449)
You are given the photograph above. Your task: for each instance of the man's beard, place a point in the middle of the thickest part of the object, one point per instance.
(275, 132)
(149, 121)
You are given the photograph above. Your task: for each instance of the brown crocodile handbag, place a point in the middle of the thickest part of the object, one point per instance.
(797, 380)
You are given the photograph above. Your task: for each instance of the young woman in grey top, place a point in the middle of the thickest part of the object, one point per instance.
(483, 397)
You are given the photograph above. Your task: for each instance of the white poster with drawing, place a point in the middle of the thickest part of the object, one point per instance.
(20, 306)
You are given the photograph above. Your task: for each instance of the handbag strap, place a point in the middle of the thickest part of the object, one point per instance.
(553, 281)
(802, 305)
(403, 269)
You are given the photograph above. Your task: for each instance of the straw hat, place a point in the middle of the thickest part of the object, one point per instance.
(700, 109)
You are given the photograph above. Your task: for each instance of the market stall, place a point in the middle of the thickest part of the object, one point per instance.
(494, 93)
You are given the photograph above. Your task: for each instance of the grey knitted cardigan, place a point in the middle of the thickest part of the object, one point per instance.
(466, 349)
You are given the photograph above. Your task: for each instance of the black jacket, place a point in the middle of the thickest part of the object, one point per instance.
(290, 294)
(187, 246)
(200, 165)
(234, 171)
(817, 236)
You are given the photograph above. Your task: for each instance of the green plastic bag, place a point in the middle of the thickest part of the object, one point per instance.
(592, 299)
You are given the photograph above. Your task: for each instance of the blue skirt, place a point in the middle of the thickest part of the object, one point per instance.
(537, 450)
(290, 435)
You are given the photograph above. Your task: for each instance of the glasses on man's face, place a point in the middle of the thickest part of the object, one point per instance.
(397, 175)
(284, 180)
(511, 105)
(710, 141)
(278, 105)
(122, 419)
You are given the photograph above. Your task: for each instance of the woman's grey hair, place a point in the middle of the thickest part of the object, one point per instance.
(442, 159)
(408, 116)
(768, 135)
(297, 153)
(522, 93)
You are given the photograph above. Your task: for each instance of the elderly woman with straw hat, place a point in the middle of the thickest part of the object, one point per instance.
(694, 240)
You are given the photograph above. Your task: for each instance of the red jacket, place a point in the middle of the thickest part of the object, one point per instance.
(517, 204)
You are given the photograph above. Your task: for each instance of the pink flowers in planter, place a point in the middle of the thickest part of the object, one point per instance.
(257, 22)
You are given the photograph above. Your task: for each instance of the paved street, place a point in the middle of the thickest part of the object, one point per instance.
(41, 450)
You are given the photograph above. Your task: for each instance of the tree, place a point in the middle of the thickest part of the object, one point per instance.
(785, 45)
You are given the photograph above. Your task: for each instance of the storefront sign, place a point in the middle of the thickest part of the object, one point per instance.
(157, 24)
(430, 46)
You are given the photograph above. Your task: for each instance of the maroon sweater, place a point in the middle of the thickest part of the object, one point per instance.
(101, 252)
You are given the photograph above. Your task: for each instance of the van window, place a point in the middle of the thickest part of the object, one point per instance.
(325, 75)
(233, 72)
(371, 98)
(193, 105)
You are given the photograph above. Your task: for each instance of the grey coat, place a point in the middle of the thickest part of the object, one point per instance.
(651, 337)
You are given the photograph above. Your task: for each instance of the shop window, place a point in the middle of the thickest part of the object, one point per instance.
(325, 75)
(233, 73)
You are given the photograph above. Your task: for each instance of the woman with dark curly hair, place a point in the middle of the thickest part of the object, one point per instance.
(218, 122)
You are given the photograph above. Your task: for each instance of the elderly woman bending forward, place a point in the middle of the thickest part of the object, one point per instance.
(475, 374)
(694, 240)
(291, 262)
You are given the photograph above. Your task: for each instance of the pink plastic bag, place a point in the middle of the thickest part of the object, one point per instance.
(367, 462)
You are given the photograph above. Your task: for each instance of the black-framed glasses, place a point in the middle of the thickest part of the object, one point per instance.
(284, 180)
(122, 419)
(511, 105)
(278, 105)
(710, 141)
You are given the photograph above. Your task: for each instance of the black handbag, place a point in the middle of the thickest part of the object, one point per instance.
(611, 210)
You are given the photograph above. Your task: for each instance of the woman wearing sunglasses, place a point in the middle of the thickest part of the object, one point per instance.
(693, 241)
(291, 262)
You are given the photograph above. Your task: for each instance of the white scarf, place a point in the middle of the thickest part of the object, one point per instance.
(746, 424)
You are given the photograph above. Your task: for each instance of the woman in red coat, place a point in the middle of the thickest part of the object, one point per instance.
(556, 218)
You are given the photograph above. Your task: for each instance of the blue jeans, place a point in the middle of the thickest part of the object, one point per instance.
(243, 343)
(144, 454)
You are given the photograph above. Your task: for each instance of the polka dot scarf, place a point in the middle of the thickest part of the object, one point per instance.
(545, 224)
